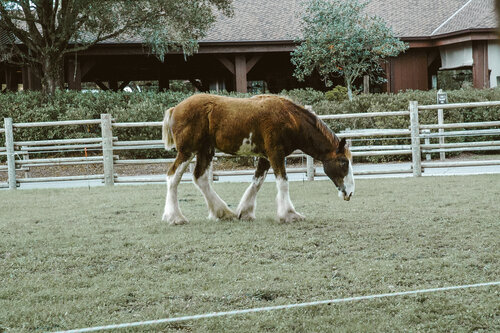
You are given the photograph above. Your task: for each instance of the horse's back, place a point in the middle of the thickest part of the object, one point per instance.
(226, 122)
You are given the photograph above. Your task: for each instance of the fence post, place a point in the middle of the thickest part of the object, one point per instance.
(309, 160)
(107, 149)
(310, 168)
(11, 158)
(211, 173)
(442, 155)
(415, 140)
(427, 141)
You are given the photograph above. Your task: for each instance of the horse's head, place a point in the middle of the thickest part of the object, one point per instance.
(338, 167)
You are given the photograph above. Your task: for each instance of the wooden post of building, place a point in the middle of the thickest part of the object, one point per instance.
(10, 79)
(11, 158)
(415, 140)
(163, 79)
(107, 149)
(240, 68)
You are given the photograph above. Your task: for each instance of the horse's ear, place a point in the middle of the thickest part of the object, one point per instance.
(341, 147)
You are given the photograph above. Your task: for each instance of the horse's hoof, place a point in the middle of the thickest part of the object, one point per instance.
(178, 222)
(175, 220)
(246, 216)
(292, 217)
(222, 215)
(227, 215)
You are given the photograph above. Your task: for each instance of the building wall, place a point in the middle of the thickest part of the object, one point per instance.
(409, 71)
(494, 63)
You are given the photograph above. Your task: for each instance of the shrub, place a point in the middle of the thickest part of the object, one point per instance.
(337, 94)
(306, 96)
(132, 107)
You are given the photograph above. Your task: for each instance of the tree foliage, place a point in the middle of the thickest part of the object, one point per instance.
(42, 32)
(340, 40)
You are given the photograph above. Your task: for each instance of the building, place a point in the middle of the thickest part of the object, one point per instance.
(254, 46)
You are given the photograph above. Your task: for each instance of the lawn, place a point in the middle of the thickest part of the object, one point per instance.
(89, 257)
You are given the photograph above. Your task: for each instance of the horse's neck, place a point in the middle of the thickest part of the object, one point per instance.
(317, 143)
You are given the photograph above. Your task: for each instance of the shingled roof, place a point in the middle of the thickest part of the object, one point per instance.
(265, 20)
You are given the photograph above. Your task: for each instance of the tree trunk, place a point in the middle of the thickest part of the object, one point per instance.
(349, 90)
(52, 73)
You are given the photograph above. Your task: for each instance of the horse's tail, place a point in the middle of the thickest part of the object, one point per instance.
(167, 135)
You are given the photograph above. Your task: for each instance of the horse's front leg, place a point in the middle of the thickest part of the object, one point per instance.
(172, 213)
(286, 210)
(246, 208)
(217, 208)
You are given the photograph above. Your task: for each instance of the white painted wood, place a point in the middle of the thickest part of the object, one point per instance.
(139, 124)
(58, 179)
(310, 168)
(11, 158)
(490, 131)
(442, 155)
(458, 105)
(138, 143)
(61, 147)
(57, 142)
(373, 132)
(146, 161)
(462, 125)
(459, 164)
(58, 123)
(415, 139)
(383, 152)
(461, 144)
(364, 115)
(107, 149)
(427, 141)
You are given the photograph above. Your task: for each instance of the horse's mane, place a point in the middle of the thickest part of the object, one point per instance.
(317, 123)
(306, 114)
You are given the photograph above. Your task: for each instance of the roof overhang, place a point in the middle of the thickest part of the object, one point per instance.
(452, 38)
(205, 47)
(278, 46)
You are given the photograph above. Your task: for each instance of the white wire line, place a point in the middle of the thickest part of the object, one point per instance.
(277, 307)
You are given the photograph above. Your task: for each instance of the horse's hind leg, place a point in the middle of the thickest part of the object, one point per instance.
(246, 208)
(172, 213)
(286, 211)
(217, 208)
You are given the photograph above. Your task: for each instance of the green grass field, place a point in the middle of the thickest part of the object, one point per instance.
(90, 257)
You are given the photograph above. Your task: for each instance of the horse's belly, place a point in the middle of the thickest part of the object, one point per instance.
(247, 146)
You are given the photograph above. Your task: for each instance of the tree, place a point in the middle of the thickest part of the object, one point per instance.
(42, 32)
(339, 40)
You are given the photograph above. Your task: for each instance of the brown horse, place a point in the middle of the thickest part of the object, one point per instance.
(266, 126)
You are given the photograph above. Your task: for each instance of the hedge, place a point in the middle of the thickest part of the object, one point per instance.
(131, 107)
(398, 102)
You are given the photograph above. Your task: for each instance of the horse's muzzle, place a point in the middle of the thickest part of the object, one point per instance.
(343, 193)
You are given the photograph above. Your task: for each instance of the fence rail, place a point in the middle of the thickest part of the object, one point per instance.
(19, 158)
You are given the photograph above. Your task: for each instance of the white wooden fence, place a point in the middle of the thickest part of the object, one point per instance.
(17, 152)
